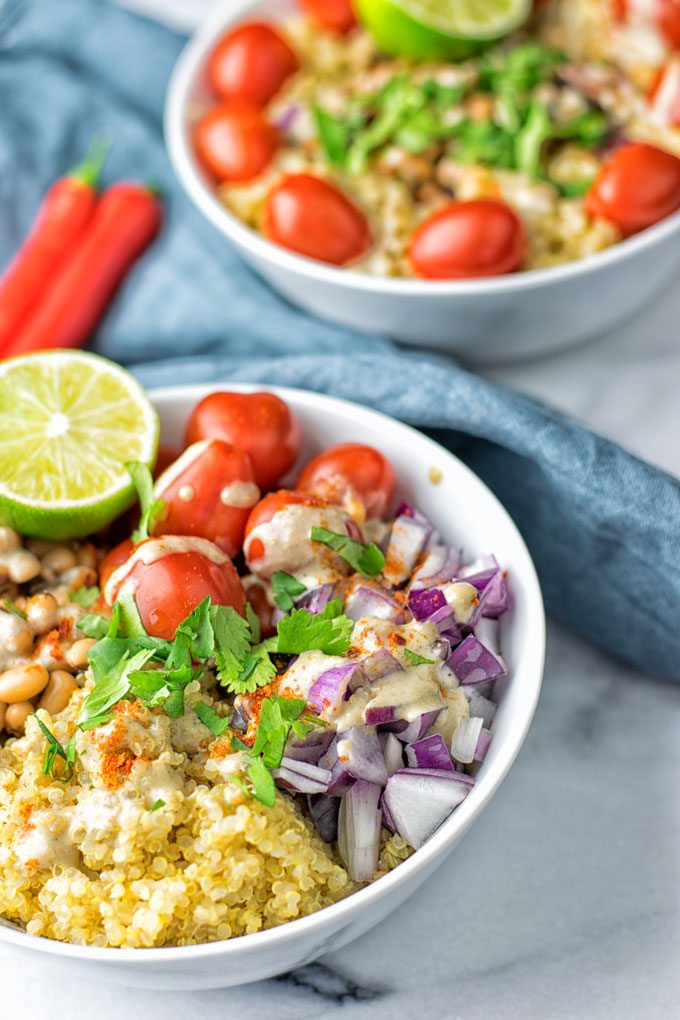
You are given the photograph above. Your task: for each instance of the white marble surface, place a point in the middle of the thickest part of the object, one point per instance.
(563, 901)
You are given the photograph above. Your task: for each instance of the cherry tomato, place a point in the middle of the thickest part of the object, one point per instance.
(257, 597)
(119, 555)
(668, 20)
(259, 424)
(208, 491)
(251, 63)
(311, 217)
(638, 186)
(265, 510)
(483, 237)
(664, 97)
(168, 588)
(234, 142)
(350, 469)
(336, 15)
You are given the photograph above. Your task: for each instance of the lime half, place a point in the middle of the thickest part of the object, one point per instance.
(440, 29)
(69, 422)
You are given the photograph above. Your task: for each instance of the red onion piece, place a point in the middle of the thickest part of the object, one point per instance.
(312, 748)
(324, 811)
(328, 690)
(439, 566)
(300, 777)
(465, 739)
(409, 732)
(361, 754)
(316, 599)
(425, 602)
(359, 830)
(429, 753)
(418, 801)
(473, 663)
(365, 600)
(407, 541)
(483, 745)
(393, 752)
(479, 705)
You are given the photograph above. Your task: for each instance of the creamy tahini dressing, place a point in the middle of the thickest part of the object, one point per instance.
(287, 544)
(413, 691)
(371, 633)
(240, 495)
(461, 597)
(156, 549)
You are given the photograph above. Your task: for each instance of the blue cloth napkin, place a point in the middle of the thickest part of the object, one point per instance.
(603, 527)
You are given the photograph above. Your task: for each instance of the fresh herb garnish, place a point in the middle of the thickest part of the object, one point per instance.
(284, 589)
(12, 607)
(329, 631)
(158, 804)
(217, 724)
(366, 559)
(152, 510)
(415, 659)
(278, 716)
(85, 596)
(55, 750)
(93, 626)
(110, 689)
(241, 666)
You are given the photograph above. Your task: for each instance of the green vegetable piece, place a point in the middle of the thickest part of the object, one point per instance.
(334, 136)
(158, 804)
(366, 559)
(152, 510)
(85, 596)
(284, 588)
(329, 631)
(111, 689)
(12, 607)
(217, 724)
(54, 750)
(416, 660)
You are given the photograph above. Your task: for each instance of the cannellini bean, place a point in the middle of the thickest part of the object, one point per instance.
(21, 566)
(9, 540)
(79, 577)
(3, 709)
(20, 641)
(22, 682)
(42, 612)
(87, 555)
(16, 716)
(59, 560)
(77, 654)
(57, 694)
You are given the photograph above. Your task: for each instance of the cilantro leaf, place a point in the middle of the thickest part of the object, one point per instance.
(366, 559)
(253, 622)
(415, 659)
(334, 135)
(217, 724)
(194, 638)
(54, 750)
(263, 786)
(85, 596)
(328, 631)
(12, 607)
(164, 687)
(93, 625)
(240, 668)
(152, 509)
(111, 689)
(158, 804)
(284, 588)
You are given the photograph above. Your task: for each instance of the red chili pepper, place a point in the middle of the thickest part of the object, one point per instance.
(62, 217)
(127, 218)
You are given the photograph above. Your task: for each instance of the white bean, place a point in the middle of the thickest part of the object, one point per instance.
(16, 716)
(42, 612)
(22, 682)
(57, 694)
(77, 655)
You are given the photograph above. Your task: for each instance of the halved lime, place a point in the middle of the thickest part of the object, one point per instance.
(440, 29)
(69, 422)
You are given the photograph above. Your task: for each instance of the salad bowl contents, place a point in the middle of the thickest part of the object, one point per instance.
(448, 174)
(240, 705)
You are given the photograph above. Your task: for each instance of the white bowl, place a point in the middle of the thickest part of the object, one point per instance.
(501, 319)
(467, 514)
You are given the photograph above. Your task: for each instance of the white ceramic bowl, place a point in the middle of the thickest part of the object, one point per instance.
(467, 514)
(483, 321)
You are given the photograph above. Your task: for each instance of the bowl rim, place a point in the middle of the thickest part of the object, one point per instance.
(457, 822)
(190, 176)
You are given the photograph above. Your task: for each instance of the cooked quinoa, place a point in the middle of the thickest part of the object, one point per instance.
(607, 71)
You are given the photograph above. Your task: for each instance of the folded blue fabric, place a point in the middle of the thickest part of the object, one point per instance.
(603, 527)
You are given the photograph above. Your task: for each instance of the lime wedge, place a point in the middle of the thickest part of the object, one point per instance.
(69, 422)
(440, 29)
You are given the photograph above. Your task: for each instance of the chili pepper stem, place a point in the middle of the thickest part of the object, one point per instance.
(89, 171)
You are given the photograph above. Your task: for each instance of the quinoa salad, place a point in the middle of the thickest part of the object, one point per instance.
(239, 703)
(524, 156)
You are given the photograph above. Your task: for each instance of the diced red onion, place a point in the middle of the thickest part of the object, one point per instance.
(287, 116)
(238, 720)
(364, 600)
(328, 690)
(379, 665)
(425, 602)
(407, 541)
(465, 739)
(324, 811)
(379, 715)
(483, 745)
(439, 566)
(418, 801)
(488, 632)
(479, 705)
(312, 748)
(360, 752)
(411, 731)
(301, 777)
(473, 663)
(393, 752)
(316, 599)
(387, 819)
(359, 830)
(429, 753)
(489, 580)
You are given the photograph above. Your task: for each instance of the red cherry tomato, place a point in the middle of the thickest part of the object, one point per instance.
(251, 63)
(668, 20)
(483, 237)
(638, 186)
(311, 217)
(259, 424)
(234, 142)
(265, 510)
(208, 491)
(169, 587)
(664, 96)
(119, 555)
(350, 469)
(336, 15)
